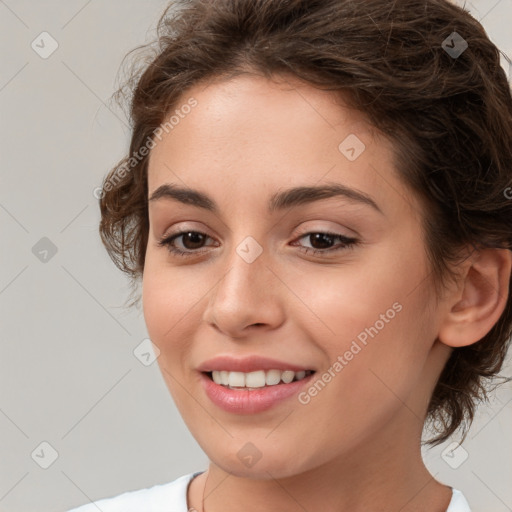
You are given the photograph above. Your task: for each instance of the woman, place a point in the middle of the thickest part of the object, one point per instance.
(315, 202)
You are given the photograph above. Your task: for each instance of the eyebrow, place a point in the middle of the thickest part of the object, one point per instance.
(279, 201)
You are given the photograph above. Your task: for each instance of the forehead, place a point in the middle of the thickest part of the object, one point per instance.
(281, 105)
(260, 134)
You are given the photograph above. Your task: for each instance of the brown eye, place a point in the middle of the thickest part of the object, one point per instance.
(321, 242)
(191, 241)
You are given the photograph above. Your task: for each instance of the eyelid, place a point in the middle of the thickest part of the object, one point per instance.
(183, 226)
(334, 231)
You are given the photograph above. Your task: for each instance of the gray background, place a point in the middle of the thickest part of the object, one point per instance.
(68, 373)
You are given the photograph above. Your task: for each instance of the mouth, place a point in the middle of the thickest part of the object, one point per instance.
(257, 379)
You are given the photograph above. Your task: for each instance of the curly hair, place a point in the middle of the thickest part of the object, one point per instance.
(448, 116)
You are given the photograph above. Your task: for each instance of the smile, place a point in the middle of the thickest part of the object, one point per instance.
(251, 394)
(256, 379)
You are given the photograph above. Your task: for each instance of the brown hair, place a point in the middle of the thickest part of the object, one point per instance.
(448, 116)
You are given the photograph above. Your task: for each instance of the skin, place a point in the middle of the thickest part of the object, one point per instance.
(356, 445)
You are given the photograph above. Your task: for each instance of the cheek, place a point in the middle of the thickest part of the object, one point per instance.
(364, 300)
(171, 302)
(371, 372)
(168, 300)
(375, 317)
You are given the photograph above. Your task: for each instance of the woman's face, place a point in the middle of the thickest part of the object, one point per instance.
(361, 314)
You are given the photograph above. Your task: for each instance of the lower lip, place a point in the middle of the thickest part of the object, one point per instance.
(245, 401)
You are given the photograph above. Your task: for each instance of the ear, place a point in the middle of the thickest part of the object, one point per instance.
(479, 299)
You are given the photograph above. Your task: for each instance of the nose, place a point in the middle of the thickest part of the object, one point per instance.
(247, 296)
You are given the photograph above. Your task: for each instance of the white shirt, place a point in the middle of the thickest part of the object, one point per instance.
(172, 497)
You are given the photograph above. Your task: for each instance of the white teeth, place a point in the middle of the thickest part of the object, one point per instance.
(256, 379)
(287, 376)
(273, 377)
(237, 379)
(224, 378)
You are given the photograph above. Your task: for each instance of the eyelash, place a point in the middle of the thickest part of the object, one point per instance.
(347, 243)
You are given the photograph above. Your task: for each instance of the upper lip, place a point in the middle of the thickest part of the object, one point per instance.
(248, 364)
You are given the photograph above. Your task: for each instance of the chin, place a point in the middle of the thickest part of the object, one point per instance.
(263, 466)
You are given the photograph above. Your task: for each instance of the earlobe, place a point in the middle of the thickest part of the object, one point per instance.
(472, 313)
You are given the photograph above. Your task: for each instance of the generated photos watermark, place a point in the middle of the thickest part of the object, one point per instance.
(357, 345)
(171, 122)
